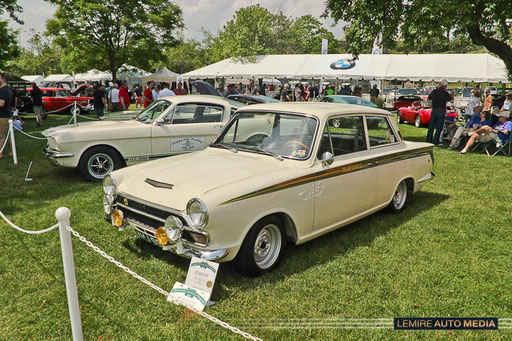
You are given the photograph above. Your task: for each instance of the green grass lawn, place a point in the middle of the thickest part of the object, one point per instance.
(447, 255)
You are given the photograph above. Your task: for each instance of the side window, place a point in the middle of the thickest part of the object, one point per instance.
(379, 131)
(343, 135)
(62, 93)
(197, 113)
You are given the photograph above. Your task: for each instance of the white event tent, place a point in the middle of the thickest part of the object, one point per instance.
(38, 79)
(59, 78)
(93, 75)
(480, 68)
(131, 74)
(164, 75)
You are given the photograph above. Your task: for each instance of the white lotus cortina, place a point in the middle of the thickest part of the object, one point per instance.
(278, 173)
(168, 126)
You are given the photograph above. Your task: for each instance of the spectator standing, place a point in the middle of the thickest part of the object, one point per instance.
(5, 112)
(124, 96)
(310, 91)
(138, 96)
(220, 88)
(285, 93)
(488, 101)
(374, 93)
(240, 88)
(166, 91)
(507, 105)
(14, 100)
(148, 94)
(155, 91)
(99, 100)
(114, 98)
(179, 89)
(298, 93)
(329, 91)
(439, 97)
(37, 103)
(474, 101)
(263, 90)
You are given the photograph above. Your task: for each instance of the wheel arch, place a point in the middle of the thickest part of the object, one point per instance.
(103, 145)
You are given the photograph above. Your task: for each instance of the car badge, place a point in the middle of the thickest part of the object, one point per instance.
(343, 64)
(125, 201)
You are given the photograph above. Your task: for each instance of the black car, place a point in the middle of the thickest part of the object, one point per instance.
(252, 99)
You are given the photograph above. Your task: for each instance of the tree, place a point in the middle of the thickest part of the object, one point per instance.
(105, 34)
(187, 56)
(484, 21)
(9, 48)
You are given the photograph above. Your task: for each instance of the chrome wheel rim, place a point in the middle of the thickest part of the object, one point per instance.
(100, 165)
(417, 121)
(267, 246)
(400, 196)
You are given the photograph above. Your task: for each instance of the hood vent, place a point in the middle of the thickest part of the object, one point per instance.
(158, 184)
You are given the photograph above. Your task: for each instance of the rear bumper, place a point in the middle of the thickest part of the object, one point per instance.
(52, 156)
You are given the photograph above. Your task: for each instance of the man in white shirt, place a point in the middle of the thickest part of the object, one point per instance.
(166, 91)
(155, 91)
(114, 98)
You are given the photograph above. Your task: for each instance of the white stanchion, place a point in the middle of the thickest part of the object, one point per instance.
(13, 143)
(74, 112)
(63, 214)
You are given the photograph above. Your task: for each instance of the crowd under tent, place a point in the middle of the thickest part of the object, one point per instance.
(38, 79)
(479, 68)
(163, 75)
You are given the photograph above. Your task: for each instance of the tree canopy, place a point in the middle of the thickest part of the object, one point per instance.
(483, 21)
(106, 34)
(9, 48)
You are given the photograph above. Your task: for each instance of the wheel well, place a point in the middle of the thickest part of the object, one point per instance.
(289, 226)
(410, 184)
(108, 147)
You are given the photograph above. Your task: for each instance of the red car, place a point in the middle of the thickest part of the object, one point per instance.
(405, 101)
(420, 115)
(61, 100)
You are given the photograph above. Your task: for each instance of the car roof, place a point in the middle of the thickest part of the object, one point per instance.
(202, 98)
(318, 109)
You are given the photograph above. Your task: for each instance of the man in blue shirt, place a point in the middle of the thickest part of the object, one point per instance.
(500, 132)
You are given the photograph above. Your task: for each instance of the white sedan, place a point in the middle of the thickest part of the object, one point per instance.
(278, 173)
(169, 126)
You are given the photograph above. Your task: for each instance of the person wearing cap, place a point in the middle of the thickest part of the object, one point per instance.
(507, 104)
(500, 132)
(439, 98)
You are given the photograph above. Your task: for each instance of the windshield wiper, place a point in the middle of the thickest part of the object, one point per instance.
(266, 152)
(225, 146)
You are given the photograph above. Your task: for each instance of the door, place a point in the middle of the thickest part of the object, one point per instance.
(187, 128)
(345, 188)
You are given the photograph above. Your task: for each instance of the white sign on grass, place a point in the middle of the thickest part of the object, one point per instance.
(189, 296)
(201, 274)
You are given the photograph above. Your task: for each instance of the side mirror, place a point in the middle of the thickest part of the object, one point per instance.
(327, 159)
(159, 122)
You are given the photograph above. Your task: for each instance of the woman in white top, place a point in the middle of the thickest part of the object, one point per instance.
(474, 102)
(507, 105)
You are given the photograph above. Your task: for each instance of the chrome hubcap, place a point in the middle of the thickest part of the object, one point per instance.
(100, 165)
(400, 195)
(418, 121)
(267, 246)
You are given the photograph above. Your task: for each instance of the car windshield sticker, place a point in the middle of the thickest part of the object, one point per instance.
(301, 153)
(294, 153)
(388, 137)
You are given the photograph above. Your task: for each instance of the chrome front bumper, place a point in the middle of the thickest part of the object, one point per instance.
(52, 155)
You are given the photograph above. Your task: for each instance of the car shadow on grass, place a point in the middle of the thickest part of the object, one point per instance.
(303, 257)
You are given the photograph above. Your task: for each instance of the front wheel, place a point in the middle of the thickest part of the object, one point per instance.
(399, 117)
(98, 162)
(417, 121)
(262, 248)
(399, 200)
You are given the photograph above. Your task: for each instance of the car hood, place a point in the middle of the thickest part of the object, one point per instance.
(192, 175)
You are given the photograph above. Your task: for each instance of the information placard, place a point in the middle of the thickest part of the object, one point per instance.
(201, 274)
(189, 296)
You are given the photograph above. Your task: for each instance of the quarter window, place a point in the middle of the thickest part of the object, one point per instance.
(197, 113)
(343, 135)
(379, 131)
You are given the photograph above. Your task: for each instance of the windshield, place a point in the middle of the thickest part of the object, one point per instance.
(281, 135)
(153, 111)
(407, 91)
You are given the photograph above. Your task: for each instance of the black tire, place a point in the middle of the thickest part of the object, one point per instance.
(399, 117)
(254, 261)
(417, 121)
(97, 162)
(399, 199)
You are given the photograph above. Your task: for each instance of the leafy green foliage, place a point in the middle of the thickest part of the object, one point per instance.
(484, 21)
(9, 48)
(12, 8)
(106, 34)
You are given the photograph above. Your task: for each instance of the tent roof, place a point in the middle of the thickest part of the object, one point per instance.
(93, 75)
(164, 75)
(59, 78)
(33, 78)
(414, 67)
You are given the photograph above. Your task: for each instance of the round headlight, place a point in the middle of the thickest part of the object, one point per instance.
(108, 202)
(109, 185)
(197, 212)
(173, 227)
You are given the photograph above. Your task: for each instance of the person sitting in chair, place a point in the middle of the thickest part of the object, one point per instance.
(478, 120)
(500, 132)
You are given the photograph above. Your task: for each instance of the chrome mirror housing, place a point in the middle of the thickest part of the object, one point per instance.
(327, 159)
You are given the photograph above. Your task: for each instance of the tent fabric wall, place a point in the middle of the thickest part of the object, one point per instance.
(413, 67)
(38, 79)
(164, 75)
(59, 78)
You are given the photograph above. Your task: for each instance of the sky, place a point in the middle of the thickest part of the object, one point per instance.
(211, 15)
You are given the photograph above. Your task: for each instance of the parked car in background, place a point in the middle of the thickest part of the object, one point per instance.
(419, 115)
(58, 100)
(278, 174)
(168, 126)
(252, 99)
(346, 99)
(405, 101)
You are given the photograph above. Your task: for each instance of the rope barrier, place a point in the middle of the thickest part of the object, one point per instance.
(157, 288)
(5, 141)
(89, 118)
(27, 231)
(32, 136)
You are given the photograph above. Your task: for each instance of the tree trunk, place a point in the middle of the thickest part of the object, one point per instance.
(499, 48)
(113, 67)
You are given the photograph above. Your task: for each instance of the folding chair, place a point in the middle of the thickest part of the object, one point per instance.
(504, 148)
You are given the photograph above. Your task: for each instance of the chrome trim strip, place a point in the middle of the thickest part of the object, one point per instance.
(54, 154)
(158, 184)
(140, 212)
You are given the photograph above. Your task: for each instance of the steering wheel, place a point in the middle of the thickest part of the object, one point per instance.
(298, 142)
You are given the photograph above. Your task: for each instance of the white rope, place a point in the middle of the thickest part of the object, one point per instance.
(89, 118)
(58, 110)
(32, 136)
(157, 288)
(27, 231)
(6, 139)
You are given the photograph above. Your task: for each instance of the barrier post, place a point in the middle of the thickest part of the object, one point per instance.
(13, 142)
(74, 112)
(63, 214)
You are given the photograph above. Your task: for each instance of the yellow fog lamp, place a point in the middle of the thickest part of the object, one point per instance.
(173, 227)
(118, 218)
(161, 236)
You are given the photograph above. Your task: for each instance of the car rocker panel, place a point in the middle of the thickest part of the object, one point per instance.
(216, 202)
